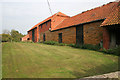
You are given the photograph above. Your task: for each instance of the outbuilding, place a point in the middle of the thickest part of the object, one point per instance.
(95, 26)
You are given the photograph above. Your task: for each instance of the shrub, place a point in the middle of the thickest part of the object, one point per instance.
(115, 51)
(86, 46)
(91, 47)
(54, 43)
(61, 44)
(74, 45)
(50, 42)
(71, 45)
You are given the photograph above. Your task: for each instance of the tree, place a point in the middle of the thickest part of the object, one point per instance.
(6, 38)
(16, 35)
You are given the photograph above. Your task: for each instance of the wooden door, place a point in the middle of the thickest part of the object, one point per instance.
(79, 35)
(33, 35)
(60, 37)
(44, 37)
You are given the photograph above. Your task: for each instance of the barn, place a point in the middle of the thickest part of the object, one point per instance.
(25, 38)
(95, 26)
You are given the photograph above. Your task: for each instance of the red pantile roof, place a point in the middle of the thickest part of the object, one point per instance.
(113, 18)
(88, 16)
(25, 37)
(53, 18)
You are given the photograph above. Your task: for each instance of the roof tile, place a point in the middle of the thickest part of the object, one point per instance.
(54, 20)
(88, 16)
(113, 18)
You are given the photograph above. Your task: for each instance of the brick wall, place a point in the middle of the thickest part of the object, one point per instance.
(45, 26)
(93, 33)
(35, 34)
(68, 35)
(30, 34)
(25, 38)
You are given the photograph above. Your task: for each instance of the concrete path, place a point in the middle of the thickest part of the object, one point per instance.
(108, 76)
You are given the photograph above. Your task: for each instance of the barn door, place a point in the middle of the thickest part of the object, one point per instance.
(117, 37)
(33, 35)
(43, 37)
(60, 37)
(79, 35)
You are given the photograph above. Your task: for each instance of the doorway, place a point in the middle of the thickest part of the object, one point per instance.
(44, 37)
(79, 35)
(60, 37)
(33, 35)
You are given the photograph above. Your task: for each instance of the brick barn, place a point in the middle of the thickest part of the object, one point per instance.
(25, 38)
(94, 26)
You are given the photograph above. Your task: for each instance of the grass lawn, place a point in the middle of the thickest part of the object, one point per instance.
(35, 60)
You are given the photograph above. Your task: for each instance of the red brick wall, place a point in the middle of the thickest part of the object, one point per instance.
(93, 33)
(45, 27)
(68, 35)
(35, 34)
(25, 37)
(30, 34)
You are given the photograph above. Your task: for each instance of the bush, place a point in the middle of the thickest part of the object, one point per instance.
(50, 42)
(91, 47)
(74, 45)
(71, 45)
(54, 43)
(61, 44)
(16, 35)
(115, 51)
(86, 46)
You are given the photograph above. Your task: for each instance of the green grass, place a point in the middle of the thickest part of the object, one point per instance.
(35, 60)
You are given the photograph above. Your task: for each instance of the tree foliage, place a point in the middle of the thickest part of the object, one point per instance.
(12, 36)
(6, 38)
(16, 35)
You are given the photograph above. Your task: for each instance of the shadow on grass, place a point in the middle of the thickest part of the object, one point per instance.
(98, 70)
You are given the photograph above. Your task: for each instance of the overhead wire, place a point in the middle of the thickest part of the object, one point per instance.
(49, 7)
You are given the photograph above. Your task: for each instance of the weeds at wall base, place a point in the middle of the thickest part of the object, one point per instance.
(114, 51)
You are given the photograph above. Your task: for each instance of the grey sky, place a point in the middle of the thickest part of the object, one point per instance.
(21, 15)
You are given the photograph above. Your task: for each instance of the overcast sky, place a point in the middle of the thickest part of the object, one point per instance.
(21, 15)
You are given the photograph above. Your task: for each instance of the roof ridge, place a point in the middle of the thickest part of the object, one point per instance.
(112, 16)
(94, 8)
(50, 17)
